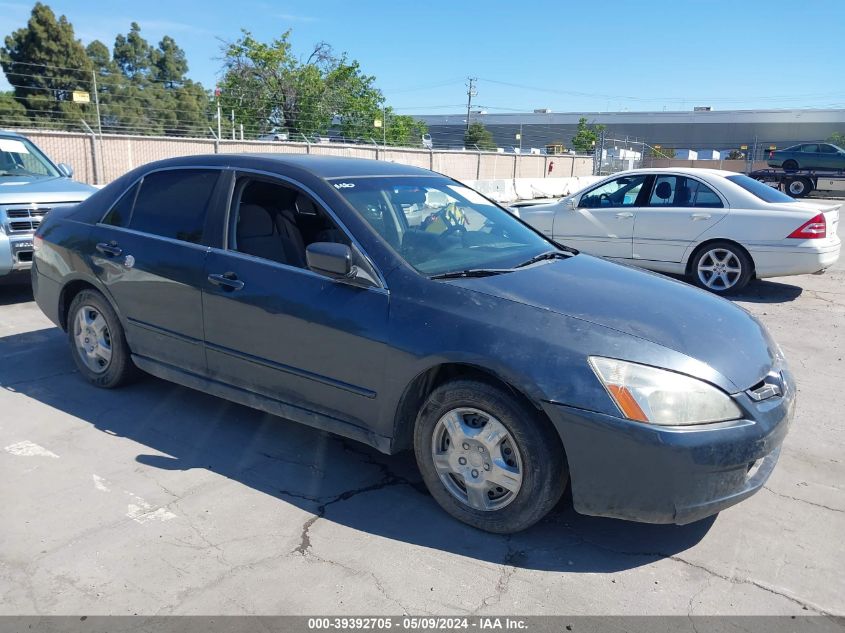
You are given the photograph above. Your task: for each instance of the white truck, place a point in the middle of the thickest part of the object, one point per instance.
(31, 186)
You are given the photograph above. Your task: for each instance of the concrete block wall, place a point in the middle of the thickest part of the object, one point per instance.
(98, 160)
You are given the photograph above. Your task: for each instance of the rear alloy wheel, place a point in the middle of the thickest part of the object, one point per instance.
(721, 267)
(97, 340)
(790, 165)
(487, 458)
(799, 187)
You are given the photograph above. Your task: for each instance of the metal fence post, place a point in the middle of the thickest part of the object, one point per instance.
(478, 167)
(95, 154)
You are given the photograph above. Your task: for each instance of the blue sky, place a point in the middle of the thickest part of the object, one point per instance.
(567, 56)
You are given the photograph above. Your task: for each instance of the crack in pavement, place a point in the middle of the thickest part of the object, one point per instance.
(811, 503)
(388, 479)
(511, 559)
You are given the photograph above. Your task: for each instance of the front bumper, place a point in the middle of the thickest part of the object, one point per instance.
(15, 253)
(653, 474)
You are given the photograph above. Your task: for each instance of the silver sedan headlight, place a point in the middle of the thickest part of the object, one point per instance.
(657, 396)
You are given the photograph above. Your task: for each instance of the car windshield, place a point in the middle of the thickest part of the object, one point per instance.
(19, 157)
(760, 189)
(439, 226)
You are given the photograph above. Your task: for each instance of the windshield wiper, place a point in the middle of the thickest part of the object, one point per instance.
(543, 256)
(474, 272)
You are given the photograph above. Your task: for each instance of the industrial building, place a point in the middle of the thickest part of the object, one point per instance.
(701, 130)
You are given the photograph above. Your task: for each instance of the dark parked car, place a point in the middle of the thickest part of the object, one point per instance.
(809, 156)
(510, 364)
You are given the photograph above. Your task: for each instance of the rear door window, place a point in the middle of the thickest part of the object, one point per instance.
(170, 203)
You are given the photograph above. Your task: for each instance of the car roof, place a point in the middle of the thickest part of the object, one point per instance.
(11, 134)
(684, 171)
(321, 166)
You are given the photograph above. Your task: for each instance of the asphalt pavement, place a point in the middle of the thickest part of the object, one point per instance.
(155, 499)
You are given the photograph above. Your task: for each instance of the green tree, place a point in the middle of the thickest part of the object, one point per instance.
(837, 138)
(169, 62)
(478, 136)
(11, 110)
(133, 54)
(658, 151)
(736, 154)
(271, 89)
(586, 136)
(401, 129)
(46, 63)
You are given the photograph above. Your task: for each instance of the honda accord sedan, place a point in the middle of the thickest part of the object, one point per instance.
(397, 307)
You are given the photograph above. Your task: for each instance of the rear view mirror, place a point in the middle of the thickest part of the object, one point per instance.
(329, 258)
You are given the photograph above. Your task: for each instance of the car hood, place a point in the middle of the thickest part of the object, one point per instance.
(645, 305)
(24, 190)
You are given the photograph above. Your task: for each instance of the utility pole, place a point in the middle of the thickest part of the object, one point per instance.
(471, 92)
(384, 126)
(97, 104)
(233, 125)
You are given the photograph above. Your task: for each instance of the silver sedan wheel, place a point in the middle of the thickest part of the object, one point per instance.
(477, 459)
(719, 269)
(93, 339)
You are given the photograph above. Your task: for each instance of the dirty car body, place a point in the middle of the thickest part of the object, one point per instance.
(359, 356)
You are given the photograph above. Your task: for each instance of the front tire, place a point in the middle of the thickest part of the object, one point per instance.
(97, 341)
(489, 459)
(721, 267)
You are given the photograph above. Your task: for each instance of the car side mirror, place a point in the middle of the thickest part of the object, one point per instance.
(338, 262)
(329, 258)
(570, 204)
(65, 169)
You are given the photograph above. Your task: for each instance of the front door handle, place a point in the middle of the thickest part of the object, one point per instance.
(111, 249)
(227, 281)
(625, 214)
(700, 216)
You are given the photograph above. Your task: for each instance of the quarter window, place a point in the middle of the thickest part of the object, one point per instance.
(121, 212)
(827, 149)
(170, 203)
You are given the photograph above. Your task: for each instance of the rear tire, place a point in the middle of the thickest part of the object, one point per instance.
(470, 437)
(790, 165)
(97, 341)
(799, 187)
(721, 267)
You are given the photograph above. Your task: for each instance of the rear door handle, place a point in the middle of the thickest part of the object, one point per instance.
(227, 281)
(700, 216)
(625, 214)
(112, 249)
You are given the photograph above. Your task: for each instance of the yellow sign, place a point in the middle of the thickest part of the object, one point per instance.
(80, 96)
(772, 147)
(743, 147)
(377, 123)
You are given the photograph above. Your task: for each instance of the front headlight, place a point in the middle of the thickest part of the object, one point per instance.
(657, 396)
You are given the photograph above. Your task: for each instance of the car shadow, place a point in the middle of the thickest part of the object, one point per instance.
(761, 291)
(15, 288)
(765, 291)
(332, 478)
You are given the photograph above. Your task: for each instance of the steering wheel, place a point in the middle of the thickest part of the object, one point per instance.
(602, 198)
